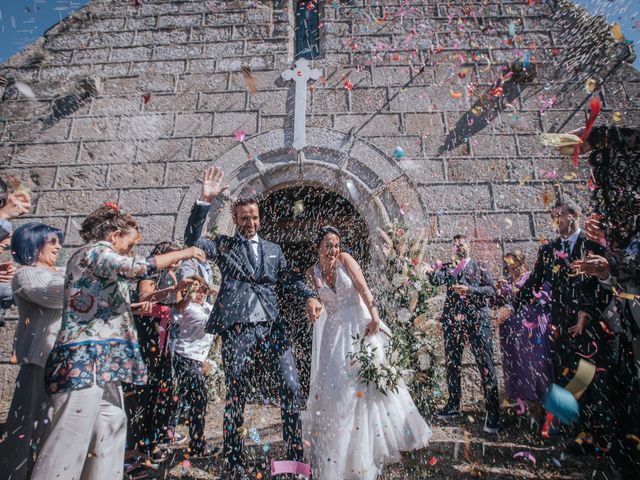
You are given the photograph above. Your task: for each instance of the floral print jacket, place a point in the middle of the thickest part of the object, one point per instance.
(97, 343)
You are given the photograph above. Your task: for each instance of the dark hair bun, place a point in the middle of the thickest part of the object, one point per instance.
(324, 231)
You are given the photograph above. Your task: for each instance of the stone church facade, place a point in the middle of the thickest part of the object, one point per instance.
(426, 113)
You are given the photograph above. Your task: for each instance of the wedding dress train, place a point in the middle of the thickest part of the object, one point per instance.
(351, 429)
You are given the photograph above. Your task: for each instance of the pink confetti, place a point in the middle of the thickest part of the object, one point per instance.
(591, 355)
(240, 134)
(561, 255)
(526, 455)
(550, 174)
(522, 408)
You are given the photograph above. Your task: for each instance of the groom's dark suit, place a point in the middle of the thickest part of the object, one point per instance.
(468, 317)
(246, 316)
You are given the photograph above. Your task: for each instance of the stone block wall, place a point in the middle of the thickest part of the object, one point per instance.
(171, 95)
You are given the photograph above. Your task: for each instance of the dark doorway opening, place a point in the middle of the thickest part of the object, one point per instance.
(291, 217)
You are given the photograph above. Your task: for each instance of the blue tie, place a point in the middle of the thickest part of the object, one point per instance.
(252, 256)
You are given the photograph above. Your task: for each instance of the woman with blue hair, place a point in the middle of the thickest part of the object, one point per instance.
(38, 290)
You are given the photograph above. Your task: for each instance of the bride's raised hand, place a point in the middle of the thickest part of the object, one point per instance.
(373, 327)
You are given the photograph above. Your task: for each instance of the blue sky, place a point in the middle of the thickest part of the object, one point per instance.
(24, 21)
(625, 12)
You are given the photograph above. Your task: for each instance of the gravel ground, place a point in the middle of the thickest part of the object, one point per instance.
(452, 453)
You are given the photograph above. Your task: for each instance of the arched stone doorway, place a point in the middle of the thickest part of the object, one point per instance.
(337, 166)
(290, 217)
(371, 180)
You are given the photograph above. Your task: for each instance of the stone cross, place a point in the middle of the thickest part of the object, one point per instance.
(301, 75)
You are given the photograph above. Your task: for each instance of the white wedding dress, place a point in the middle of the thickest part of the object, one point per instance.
(352, 429)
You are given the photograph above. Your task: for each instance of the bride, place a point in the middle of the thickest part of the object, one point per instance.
(352, 428)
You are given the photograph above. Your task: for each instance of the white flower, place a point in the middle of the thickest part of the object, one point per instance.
(423, 361)
(404, 315)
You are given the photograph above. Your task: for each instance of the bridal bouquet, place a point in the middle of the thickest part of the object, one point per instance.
(403, 295)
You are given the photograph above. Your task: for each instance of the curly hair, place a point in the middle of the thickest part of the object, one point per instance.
(104, 220)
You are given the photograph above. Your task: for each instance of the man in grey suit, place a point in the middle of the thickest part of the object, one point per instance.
(246, 316)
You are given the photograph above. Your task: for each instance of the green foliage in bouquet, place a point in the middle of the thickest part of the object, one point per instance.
(403, 293)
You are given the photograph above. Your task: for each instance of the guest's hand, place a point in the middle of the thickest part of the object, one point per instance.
(593, 228)
(373, 327)
(212, 184)
(142, 307)
(461, 290)
(578, 328)
(426, 268)
(184, 284)
(314, 309)
(17, 203)
(194, 252)
(593, 265)
(206, 368)
(501, 314)
(7, 271)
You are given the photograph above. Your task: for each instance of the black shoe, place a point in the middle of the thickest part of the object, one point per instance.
(238, 473)
(448, 413)
(492, 423)
(203, 453)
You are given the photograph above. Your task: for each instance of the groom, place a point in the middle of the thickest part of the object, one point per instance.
(246, 316)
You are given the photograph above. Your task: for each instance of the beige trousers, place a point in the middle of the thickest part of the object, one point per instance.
(87, 437)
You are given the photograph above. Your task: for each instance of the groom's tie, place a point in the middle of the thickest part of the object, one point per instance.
(251, 254)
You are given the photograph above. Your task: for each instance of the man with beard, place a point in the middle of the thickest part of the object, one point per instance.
(572, 305)
(466, 314)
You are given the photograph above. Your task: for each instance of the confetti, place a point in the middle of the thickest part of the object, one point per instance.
(25, 90)
(527, 455)
(616, 117)
(616, 30)
(398, 152)
(590, 85)
(547, 197)
(240, 135)
(249, 80)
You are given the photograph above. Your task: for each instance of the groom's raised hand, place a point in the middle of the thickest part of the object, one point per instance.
(314, 309)
(212, 184)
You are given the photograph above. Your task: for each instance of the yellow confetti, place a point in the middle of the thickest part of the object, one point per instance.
(571, 176)
(616, 117)
(547, 198)
(556, 269)
(523, 180)
(617, 32)
(590, 85)
(477, 111)
(508, 260)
